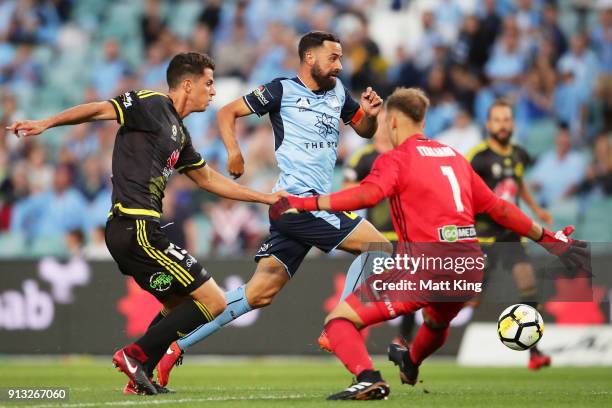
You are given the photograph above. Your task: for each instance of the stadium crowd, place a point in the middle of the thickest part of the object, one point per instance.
(553, 59)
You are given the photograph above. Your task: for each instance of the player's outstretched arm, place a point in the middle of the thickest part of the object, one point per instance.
(573, 253)
(226, 116)
(371, 104)
(364, 196)
(527, 197)
(86, 112)
(210, 180)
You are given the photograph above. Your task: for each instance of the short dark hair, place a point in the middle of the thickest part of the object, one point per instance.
(314, 39)
(500, 102)
(412, 102)
(187, 63)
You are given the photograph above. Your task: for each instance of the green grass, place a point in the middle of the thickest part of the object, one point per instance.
(304, 383)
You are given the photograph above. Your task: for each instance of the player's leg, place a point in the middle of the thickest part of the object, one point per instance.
(351, 234)
(269, 278)
(167, 272)
(406, 330)
(342, 327)
(430, 337)
(278, 259)
(368, 243)
(525, 280)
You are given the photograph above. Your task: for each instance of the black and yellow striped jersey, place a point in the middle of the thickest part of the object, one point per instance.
(151, 143)
(502, 173)
(359, 166)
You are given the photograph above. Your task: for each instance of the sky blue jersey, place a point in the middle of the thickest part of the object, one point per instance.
(306, 127)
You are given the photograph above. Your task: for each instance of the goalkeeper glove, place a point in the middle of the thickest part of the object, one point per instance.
(293, 205)
(573, 253)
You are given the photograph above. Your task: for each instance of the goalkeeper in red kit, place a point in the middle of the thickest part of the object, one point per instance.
(432, 190)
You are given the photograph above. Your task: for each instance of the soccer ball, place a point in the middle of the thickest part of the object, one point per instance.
(520, 327)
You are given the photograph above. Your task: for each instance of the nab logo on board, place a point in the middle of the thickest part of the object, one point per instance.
(32, 307)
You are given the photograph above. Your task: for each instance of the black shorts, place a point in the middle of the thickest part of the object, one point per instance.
(505, 254)
(292, 236)
(143, 251)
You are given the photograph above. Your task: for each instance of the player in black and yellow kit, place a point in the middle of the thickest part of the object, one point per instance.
(359, 166)
(501, 165)
(151, 143)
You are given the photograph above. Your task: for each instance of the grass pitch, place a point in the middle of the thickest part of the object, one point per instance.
(306, 383)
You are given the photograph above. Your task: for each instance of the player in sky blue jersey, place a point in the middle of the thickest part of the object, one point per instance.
(305, 112)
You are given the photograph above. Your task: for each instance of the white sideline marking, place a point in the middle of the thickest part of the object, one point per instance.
(150, 400)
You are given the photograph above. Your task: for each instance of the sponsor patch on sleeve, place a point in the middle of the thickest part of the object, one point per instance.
(263, 95)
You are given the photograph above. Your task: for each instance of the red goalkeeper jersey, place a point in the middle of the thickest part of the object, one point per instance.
(433, 191)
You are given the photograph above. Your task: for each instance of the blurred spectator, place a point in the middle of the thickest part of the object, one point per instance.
(443, 104)
(597, 112)
(92, 180)
(201, 39)
(53, 212)
(490, 27)
(601, 38)
(151, 23)
(23, 73)
(235, 56)
(581, 62)
(362, 55)
(153, 72)
(8, 114)
(599, 173)
(40, 172)
(405, 73)
(569, 99)
(236, 227)
(448, 19)
(557, 173)
(211, 15)
(81, 142)
(7, 10)
(470, 48)
(106, 74)
(75, 240)
(430, 38)
(507, 62)
(552, 32)
(535, 99)
(95, 249)
(463, 135)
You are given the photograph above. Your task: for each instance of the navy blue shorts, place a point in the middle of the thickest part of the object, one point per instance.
(292, 236)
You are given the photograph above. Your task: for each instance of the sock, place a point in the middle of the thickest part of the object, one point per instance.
(407, 327)
(348, 345)
(182, 319)
(529, 297)
(426, 341)
(359, 270)
(151, 363)
(237, 305)
(135, 351)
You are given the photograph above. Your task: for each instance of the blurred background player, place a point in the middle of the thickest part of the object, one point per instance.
(359, 166)
(416, 168)
(305, 112)
(502, 164)
(151, 143)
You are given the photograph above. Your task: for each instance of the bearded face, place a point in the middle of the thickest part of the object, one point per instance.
(326, 80)
(503, 135)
